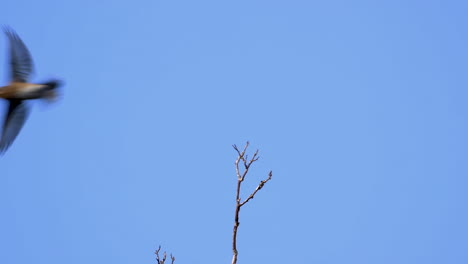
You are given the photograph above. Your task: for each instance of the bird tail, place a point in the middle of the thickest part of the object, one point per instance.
(53, 84)
(50, 93)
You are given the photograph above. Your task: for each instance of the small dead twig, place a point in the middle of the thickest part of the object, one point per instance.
(259, 187)
(164, 256)
(242, 157)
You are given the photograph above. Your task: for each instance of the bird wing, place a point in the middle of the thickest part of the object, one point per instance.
(14, 120)
(20, 58)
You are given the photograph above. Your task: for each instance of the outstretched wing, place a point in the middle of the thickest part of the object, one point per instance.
(14, 120)
(20, 58)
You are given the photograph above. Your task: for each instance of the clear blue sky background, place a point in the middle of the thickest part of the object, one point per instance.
(358, 107)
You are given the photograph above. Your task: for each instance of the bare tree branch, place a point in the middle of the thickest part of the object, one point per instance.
(259, 187)
(164, 257)
(242, 157)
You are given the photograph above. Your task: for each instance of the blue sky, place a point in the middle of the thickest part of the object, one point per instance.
(358, 107)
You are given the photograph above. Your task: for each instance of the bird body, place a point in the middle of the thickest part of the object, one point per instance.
(20, 89)
(26, 91)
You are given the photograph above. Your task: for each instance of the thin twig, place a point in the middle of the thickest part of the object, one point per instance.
(259, 187)
(163, 260)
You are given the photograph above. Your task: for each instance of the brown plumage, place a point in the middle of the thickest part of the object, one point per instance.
(20, 89)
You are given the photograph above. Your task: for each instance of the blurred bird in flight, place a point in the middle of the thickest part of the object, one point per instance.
(20, 89)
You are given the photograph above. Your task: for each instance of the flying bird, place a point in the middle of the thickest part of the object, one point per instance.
(20, 89)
